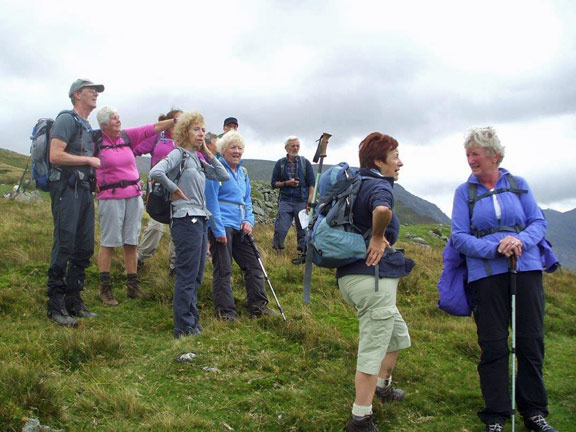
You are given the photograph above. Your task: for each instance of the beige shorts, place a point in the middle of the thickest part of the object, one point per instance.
(120, 221)
(381, 327)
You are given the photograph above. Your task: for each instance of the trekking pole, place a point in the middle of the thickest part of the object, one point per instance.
(513, 274)
(318, 156)
(257, 252)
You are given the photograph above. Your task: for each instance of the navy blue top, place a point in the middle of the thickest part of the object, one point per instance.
(294, 194)
(375, 191)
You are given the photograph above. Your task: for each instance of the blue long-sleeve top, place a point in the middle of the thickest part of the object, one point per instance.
(230, 203)
(482, 257)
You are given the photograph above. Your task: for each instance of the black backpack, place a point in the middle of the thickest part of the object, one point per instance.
(158, 198)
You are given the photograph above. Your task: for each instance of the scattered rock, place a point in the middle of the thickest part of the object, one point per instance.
(33, 425)
(420, 240)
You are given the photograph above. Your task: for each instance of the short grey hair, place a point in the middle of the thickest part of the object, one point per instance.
(289, 139)
(104, 114)
(209, 137)
(486, 138)
(230, 138)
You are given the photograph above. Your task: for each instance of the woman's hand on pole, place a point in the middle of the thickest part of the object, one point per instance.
(509, 246)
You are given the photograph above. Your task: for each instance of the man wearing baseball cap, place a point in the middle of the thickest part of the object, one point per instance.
(231, 123)
(71, 180)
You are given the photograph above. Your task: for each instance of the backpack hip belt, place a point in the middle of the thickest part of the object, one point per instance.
(121, 184)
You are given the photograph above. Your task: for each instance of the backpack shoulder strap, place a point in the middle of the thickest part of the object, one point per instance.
(78, 122)
(303, 161)
(282, 166)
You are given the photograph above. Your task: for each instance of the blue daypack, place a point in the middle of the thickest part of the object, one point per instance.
(40, 149)
(332, 237)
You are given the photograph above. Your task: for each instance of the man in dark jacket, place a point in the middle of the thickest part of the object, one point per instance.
(294, 176)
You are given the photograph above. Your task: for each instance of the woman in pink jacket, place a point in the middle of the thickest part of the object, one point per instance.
(118, 190)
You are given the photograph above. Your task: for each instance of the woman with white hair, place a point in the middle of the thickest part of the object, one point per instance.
(503, 224)
(189, 214)
(232, 220)
(118, 190)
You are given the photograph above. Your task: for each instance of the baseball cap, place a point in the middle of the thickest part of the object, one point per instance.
(80, 83)
(230, 120)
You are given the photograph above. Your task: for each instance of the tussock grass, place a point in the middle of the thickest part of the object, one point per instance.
(118, 372)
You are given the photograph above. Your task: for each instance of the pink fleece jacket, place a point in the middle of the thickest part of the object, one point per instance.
(119, 163)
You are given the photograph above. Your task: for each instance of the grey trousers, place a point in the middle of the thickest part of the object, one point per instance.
(151, 239)
(238, 248)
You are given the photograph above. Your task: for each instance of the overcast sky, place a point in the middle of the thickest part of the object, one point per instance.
(423, 72)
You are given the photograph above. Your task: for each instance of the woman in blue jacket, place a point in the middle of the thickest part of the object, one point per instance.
(231, 221)
(505, 221)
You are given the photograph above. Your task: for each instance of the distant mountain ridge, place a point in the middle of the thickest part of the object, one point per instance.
(409, 208)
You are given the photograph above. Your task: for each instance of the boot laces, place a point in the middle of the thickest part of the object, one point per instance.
(496, 427)
(541, 422)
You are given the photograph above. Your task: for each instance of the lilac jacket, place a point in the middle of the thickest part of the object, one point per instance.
(118, 163)
(482, 258)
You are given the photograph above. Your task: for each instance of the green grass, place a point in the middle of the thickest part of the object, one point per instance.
(118, 372)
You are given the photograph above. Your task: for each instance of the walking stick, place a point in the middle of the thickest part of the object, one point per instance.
(257, 252)
(513, 274)
(318, 156)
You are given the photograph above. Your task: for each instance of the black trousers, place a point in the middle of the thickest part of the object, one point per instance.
(237, 247)
(491, 301)
(73, 215)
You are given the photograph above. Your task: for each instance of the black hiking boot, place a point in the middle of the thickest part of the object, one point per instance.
(57, 311)
(538, 423)
(389, 394)
(76, 307)
(365, 424)
(494, 427)
(301, 259)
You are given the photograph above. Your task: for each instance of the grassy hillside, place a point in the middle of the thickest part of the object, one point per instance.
(118, 372)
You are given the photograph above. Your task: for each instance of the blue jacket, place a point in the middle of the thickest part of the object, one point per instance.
(229, 202)
(294, 194)
(482, 257)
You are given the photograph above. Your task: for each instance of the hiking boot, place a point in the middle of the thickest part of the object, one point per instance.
(59, 318)
(301, 259)
(172, 272)
(106, 294)
(365, 424)
(538, 423)
(133, 289)
(494, 427)
(263, 311)
(76, 307)
(389, 394)
(57, 311)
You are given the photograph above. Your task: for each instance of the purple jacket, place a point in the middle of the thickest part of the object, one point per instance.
(482, 258)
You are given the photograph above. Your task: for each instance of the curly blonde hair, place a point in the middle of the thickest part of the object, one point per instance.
(182, 128)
